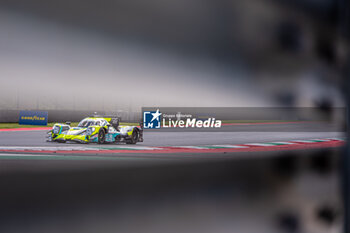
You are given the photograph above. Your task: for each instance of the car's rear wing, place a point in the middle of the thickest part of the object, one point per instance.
(107, 117)
(113, 119)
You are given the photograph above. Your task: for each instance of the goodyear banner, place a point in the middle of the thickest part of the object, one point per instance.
(33, 118)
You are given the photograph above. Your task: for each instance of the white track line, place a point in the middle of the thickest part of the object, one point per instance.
(259, 144)
(303, 141)
(131, 147)
(189, 147)
(284, 143)
(229, 146)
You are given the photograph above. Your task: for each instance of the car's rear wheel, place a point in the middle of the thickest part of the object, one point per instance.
(134, 137)
(101, 136)
(118, 138)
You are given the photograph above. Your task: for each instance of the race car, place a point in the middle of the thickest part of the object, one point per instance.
(98, 129)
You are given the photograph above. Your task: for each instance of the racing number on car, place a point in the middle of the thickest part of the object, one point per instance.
(109, 137)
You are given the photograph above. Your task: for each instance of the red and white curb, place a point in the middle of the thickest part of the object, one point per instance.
(247, 147)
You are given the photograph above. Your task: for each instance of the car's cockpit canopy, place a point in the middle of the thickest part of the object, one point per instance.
(92, 122)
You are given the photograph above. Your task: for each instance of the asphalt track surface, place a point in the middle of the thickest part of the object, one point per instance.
(230, 134)
(94, 183)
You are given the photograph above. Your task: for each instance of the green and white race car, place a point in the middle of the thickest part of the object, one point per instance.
(96, 129)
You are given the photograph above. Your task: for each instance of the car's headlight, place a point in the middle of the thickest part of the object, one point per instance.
(90, 130)
(56, 129)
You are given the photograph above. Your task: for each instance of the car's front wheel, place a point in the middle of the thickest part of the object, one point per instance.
(101, 136)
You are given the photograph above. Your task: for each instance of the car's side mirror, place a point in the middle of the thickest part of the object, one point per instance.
(68, 122)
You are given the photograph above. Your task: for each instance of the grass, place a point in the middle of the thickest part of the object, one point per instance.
(16, 125)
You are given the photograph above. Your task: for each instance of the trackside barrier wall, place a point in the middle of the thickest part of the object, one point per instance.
(12, 116)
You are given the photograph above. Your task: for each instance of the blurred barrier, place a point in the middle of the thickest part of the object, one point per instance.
(332, 115)
(12, 116)
(9, 116)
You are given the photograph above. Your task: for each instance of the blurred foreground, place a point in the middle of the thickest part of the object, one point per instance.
(118, 56)
(278, 192)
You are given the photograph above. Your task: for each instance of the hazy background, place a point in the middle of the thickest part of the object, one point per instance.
(69, 56)
(122, 55)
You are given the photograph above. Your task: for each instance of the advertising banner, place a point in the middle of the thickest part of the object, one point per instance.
(33, 118)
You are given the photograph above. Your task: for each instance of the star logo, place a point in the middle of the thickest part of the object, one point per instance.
(151, 120)
(156, 115)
